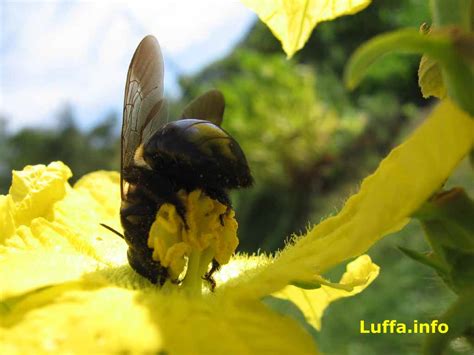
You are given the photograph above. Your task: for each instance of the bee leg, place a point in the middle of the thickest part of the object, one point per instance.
(208, 277)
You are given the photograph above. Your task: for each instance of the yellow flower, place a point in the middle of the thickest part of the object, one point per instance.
(66, 286)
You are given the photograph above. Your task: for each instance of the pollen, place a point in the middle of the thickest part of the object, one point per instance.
(212, 231)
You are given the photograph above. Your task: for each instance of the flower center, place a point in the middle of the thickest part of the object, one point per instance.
(188, 252)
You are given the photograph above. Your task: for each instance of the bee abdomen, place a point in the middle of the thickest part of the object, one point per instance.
(137, 218)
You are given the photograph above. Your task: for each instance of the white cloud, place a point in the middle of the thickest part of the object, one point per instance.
(52, 53)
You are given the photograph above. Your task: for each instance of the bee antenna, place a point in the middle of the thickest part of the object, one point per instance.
(112, 230)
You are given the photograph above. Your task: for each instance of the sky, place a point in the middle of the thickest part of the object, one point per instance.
(54, 53)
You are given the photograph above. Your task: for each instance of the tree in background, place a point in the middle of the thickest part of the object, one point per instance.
(95, 149)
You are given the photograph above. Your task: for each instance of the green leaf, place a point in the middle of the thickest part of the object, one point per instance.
(405, 40)
(457, 73)
(425, 259)
(430, 78)
(448, 221)
(454, 210)
(462, 263)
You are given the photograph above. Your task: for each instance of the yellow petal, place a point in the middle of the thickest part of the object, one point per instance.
(40, 268)
(292, 21)
(383, 205)
(94, 199)
(240, 264)
(85, 319)
(41, 255)
(359, 274)
(104, 188)
(7, 222)
(62, 320)
(36, 188)
(68, 242)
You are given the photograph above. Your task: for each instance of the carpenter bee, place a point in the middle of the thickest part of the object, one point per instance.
(160, 158)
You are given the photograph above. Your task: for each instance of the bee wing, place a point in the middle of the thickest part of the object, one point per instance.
(209, 106)
(143, 111)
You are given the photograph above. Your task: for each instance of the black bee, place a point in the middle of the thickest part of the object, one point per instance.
(159, 158)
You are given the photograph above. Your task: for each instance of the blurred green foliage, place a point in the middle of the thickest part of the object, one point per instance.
(95, 149)
(285, 134)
